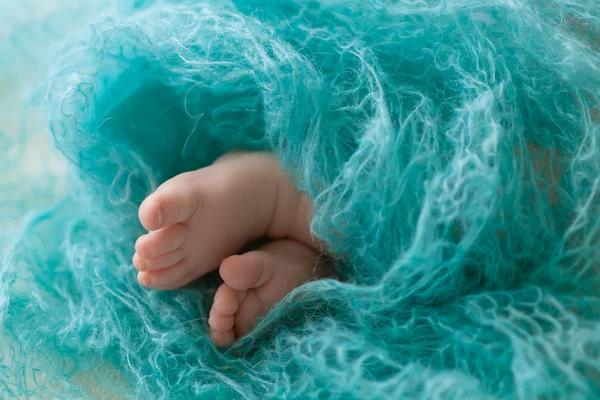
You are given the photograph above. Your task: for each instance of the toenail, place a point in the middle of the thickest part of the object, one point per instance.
(160, 215)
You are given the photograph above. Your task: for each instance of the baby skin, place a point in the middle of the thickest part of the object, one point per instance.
(200, 220)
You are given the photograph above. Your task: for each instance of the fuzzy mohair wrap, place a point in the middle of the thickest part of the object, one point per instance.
(452, 151)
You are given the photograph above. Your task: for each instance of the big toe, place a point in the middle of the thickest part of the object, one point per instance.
(173, 202)
(247, 271)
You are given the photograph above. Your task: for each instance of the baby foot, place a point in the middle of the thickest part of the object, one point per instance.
(199, 218)
(254, 282)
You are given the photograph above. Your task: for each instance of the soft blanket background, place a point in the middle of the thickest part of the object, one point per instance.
(451, 148)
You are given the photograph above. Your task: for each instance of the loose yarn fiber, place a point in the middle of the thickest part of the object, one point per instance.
(452, 152)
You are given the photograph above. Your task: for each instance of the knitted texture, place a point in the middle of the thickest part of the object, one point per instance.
(450, 148)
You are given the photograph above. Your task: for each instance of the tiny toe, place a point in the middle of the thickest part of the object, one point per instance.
(227, 300)
(163, 241)
(139, 262)
(173, 202)
(222, 315)
(170, 278)
(247, 271)
(143, 279)
(162, 262)
(222, 338)
(221, 322)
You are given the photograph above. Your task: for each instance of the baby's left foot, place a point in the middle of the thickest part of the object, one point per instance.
(255, 281)
(199, 218)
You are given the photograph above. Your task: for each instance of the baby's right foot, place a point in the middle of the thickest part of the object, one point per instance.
(256, 280)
